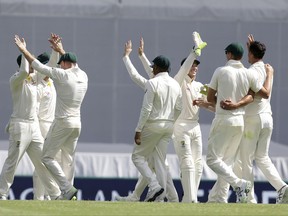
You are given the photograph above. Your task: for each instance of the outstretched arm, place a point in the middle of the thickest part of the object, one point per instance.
(250, 40)
(185, 68)
(133, 73)
(21, 44)
(55, 54)
(204, 104)
(145, 62)
(43, 69)
(56, 43)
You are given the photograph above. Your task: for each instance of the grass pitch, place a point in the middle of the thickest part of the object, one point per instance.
(83, 208)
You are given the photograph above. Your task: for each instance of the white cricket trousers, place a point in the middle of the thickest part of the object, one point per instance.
(61, 136)
(171, 192)
(24, 137)
(187, 140)
(255, 146)
(220, 191)
(38, 187)
(223, 144)
(153, 134)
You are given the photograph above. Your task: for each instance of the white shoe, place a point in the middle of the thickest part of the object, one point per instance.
(2, 197)
(47, 197)
(129, 198)
(69, 195)
(242, 192)
(282, 197)
(156, 194)
(199, 44)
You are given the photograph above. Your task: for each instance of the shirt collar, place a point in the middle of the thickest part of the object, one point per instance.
(162, 74)
(258, 63)
(188, 79)
(235, 63)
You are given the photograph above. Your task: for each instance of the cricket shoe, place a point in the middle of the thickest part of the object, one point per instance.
(242, 192)
(2, 197)
(155, 195)
(282, 197)
(199, 44)
(129, 198)
(47, 197)
(69, 195)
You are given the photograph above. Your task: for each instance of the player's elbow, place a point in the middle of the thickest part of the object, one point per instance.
(266, 95)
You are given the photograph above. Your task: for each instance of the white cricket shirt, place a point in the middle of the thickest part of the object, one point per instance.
(190, 90)
(24, 93)
(162, 100)
(71, 86)
(46, 100)
(232, 82)
(259, 105)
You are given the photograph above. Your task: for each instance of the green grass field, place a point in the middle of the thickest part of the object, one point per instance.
(82, 208)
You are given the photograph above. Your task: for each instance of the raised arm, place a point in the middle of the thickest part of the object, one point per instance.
(185, 68)
(135, 76)
(43, 69)
(196, 51)
(56, 43)
(145, 62)
(21, 44)
(18, 78)
(57, 49)
(250, 40)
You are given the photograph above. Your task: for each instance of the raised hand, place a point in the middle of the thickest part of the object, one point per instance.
(141, 47)
(250, 40)
(56, 43)
(128, 48)
(20, 43)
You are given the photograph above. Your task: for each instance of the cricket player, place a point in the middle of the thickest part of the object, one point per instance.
(231, 83)
(71, 85)
(24, 131)
(259, 126)
(46, 101)
(141, 184)
(186, 128)
(187, 137)
(161, 107)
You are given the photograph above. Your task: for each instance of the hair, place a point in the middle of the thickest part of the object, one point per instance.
(237, 57)
(182, 62)
(194, 62)
(19, 59)
(258, 49)
(161, 69)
